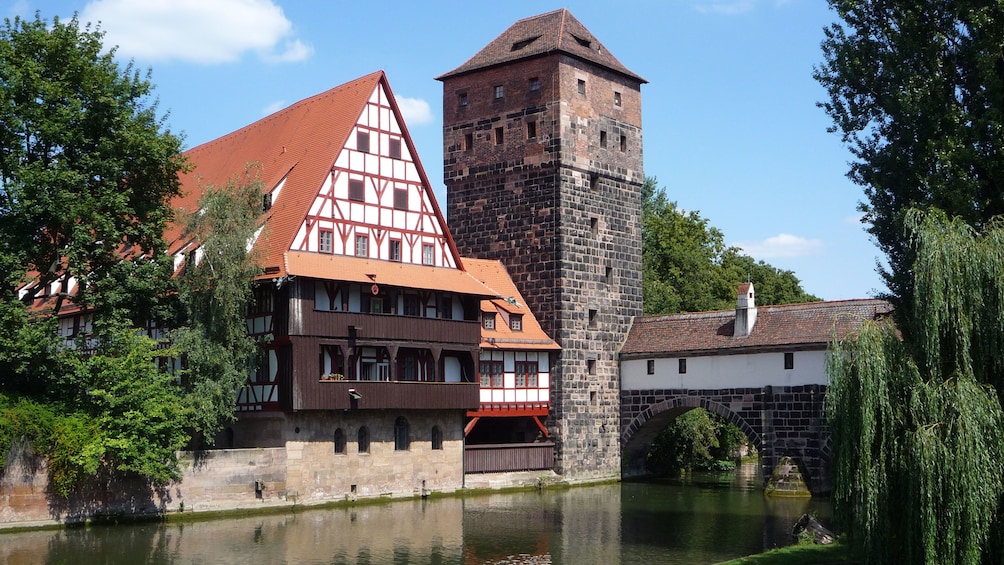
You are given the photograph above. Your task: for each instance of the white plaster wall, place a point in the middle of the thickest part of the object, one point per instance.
(726, 371)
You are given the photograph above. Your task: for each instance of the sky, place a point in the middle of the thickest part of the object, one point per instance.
(729, 115)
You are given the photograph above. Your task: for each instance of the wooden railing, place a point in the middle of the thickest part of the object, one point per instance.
(503, 457)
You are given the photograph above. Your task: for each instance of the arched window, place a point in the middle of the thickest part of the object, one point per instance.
(364, 440)
(437, 438)
(401, 440)
(339, 441)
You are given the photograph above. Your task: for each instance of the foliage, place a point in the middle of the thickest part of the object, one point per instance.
(215, 291)
(797, 555)
(917, 424)
(686, 266)
(696, 439)
(916, 89)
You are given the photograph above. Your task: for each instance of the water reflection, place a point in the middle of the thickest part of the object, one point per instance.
(702, 519)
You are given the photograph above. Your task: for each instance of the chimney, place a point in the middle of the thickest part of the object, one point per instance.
(745, 310)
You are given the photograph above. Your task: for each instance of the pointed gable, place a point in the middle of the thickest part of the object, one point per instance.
(556, 31)
(313, 157)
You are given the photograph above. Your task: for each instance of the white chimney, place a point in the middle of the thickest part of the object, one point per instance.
(745, 310)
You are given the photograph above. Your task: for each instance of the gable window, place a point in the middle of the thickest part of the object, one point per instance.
(499, 91)
(498, 136)
(582, 86)
(526, 374)
(362, 246)
(428, 254)
(324, 239)
(516, 322)
(789, 360)
(650, 369)
(617, 98)
(468, 141)
(603, 139)
(531, 130)
(356, 190)
(394, 148)
(491, 374)
(462, 99)
(534, 84)
(363, 141)
(395, 250)
(683, 366)
(401, 431)
(400, 198)
(488, 320)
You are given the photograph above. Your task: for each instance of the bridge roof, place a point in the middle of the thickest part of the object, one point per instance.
(805, 326)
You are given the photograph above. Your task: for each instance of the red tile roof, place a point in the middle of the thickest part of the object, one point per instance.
(556, 31)
(494, 275)
(810, 326)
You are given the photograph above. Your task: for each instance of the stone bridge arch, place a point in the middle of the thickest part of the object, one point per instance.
(779, 421)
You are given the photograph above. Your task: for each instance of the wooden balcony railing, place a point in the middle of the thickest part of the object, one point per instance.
(364, 395)
(503, 457)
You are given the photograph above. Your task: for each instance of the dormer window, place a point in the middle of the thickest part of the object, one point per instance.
(516, 322)
(488, 320)
(583, 41)
(518, 45)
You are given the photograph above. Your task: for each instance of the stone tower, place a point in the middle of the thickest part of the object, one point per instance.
(542, 147)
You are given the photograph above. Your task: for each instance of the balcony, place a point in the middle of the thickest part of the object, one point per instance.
(381, 395)
(387, 327)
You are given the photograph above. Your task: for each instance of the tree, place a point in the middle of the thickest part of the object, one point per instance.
(918, 430)
(686, 266)
(916, 89)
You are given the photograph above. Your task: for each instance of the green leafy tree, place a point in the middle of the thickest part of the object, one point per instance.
(916, 89)
(686, 266)
(697, 439)
(917, 423)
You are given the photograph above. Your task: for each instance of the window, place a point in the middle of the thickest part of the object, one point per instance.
(363, 440)
(400, 198)
(516, 322)
(491, 374)
(526, 374)
(437, 438)
(332, 363)
(394, 148)
(356, 190)
(592, 317)
(462, 99)
(617, 98)
(324, 239)
(789, 360)
(594, 181)
(363, 141)
(339, 441)
(603, 139)
(531, 130)
(651, 366)
(499, 91)
(582, 86)
(488, 320)
(395, 250)
(362, 246)
(446, 307)
(428, 254)
(608, 274)
(594, 226)
(498, 136)
(534, 84)
(591, 366)
(412, 305)
(266, 202)
(401, 439)
(623, 143)
(468, 141)
(682, 369)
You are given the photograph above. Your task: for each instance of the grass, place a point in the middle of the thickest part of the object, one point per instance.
(797, 555)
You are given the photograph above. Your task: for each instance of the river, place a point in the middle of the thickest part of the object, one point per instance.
(705, 518)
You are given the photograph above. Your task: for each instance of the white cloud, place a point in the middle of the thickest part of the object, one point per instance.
(415, 110)
(273, 107)
(781, 245)
(854, 219)
(199, 31)
(726, 7)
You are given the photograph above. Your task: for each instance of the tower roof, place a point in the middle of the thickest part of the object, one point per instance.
(553, 32)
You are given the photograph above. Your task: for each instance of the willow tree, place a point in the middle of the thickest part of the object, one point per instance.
(917, 421)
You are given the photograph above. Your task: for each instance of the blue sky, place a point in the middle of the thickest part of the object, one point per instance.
(730, 122)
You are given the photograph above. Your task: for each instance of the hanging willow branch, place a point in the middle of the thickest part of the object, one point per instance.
(917, 427)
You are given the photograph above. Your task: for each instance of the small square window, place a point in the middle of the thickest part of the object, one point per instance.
(683, 366)
(498, 136)
(462, 99)
(789, 360)
(468, 141)
(651, 366)
(582, 86)
(356, 190)
(362, 246)
(395, 250)
(428, 254)
(603, 139)
(363, 141)
(325, 238)
(531, 130)
(394, 148)
(623, 143)
(516, 322)
(499, 91)
(617, 98)
(488, 320)
(534, 84)
(400, 198)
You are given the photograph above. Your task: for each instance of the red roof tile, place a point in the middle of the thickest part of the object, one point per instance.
(810, 325)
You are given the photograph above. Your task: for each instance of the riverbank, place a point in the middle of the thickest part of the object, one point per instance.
(832, 554)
